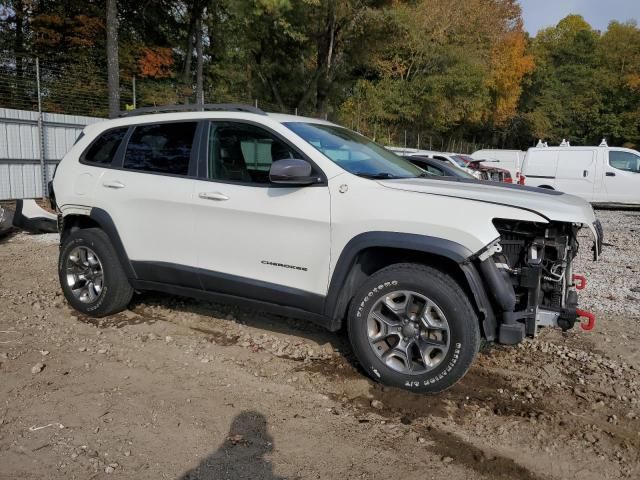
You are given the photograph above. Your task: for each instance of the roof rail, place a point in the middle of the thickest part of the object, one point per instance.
(603, 143)
(565, 143)
(194, 107)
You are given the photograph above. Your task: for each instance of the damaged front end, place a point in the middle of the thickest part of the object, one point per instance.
(529, 275)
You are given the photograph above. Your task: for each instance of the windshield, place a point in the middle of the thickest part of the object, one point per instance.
(354, 152)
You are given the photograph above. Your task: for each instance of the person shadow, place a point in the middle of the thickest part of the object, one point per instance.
(241, 455)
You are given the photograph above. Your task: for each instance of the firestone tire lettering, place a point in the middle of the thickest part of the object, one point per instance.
(464, 326)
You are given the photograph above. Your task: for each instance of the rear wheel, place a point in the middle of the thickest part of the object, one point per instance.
(412, 326)
(90, 274)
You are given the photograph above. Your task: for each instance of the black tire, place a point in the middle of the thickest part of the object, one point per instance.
(448, 296)
(116, 291)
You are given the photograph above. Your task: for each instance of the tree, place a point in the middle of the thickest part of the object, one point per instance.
(441, 69)
(113, 69)
(510, 63)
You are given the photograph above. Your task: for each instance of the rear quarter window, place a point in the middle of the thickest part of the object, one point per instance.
(104, 148)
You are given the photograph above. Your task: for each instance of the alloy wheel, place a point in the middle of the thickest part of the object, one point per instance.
(84, 273)
(408, 332)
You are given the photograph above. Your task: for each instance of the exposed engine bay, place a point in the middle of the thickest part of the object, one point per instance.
(538, 252)
(529, 271)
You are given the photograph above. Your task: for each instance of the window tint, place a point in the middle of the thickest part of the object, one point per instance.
(624, 161)
(243, 153)
(105, 147)
(164, 148)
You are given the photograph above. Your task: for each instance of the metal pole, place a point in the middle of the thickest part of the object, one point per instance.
(134, 92)
(256, 103)
(43, 166)
(405, 139)
(296, 111)
(418, 141)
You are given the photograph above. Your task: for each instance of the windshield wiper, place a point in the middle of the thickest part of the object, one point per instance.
(377, 176)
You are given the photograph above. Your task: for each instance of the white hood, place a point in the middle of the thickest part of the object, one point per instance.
(553, 205)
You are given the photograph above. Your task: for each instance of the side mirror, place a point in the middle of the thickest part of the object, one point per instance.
(292, 171)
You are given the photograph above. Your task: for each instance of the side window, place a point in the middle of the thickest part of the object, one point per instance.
(434, 171)
(624, 161)
(243, 153)
(164, 148)
(102, 151)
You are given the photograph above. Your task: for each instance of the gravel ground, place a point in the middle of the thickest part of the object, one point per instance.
(614, 281)
(175, 388)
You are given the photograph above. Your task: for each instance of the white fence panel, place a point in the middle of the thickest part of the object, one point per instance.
(20, 159)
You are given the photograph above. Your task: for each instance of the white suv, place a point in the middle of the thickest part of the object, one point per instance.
(305, 218)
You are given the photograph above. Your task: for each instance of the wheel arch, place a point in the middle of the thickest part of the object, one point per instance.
(98, 218)
(368, 253)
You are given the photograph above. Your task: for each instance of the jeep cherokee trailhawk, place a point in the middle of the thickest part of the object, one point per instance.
(305, 218)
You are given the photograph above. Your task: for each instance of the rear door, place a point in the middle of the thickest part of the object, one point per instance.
(149, 196)
(622, 177)
(576, 172)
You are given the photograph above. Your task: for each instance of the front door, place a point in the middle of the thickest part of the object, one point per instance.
(257, 239)
(622, 177)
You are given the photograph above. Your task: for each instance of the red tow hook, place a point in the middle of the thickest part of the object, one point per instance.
(583, 281)
(591, 319)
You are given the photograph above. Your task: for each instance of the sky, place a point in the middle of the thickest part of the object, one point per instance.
(540, 14)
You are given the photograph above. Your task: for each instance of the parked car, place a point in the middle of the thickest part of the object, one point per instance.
(464, 162)
(506, 159)
(444, 157)
(305, 218)
(438, 168)
(601, 175)
(493, 174)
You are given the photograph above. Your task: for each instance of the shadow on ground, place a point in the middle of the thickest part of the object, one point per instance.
(241, 455)
(237, 314)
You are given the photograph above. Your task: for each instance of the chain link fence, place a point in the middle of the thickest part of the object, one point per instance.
(78, 93)
(75, 89)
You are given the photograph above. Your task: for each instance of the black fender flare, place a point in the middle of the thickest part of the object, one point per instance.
(106, 223)
(336, 304)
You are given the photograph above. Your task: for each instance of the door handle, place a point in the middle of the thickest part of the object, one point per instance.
(213, 196)
(585, 173)
(610, 174)
(113, 184)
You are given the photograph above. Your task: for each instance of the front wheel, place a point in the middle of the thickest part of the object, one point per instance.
(412, 327)
(90, 273)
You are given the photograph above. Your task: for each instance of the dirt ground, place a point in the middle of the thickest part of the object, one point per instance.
(176, 388)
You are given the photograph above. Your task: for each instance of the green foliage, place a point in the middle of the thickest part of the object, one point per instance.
(583, 86)
(441, 69)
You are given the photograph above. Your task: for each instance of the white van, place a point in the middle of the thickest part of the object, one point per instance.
(508, 159)
(600, 175)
